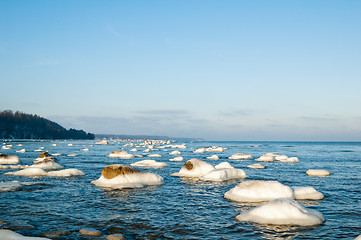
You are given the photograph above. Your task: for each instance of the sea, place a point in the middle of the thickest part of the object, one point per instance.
(181, 208)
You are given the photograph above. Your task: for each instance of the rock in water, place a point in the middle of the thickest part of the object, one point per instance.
(282, 212)
(119, 176)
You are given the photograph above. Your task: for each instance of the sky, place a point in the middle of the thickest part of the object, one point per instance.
(249, 70)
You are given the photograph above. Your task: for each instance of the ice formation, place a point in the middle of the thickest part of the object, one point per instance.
(47, 164)
(177, 159)
(194, 168)
(223, 172)
(149, 163)
(119, 176)
(307, 193)
(8, 159)
(318, 172)
(154, 155)
(213, 157)
(256, 166)
(44, 157)
(175, 153)
(21, 151)
(65, 173)
(269, 157)
(282, 212)
(30, 171)
(240, 156)
(121, 154)
(200, 150)
(259, 191)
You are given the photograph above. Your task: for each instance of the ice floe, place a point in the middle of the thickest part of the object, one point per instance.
(240, 156)
(121, 154)
(149, 164)
(8, 159)
(213, 157)
(177, 159)
(282, 212)
(119, 176)
(258, 191)
(318, 172)
(194, 168)
(223, 172)
(307, 193)
(10, 235)
(256, 166)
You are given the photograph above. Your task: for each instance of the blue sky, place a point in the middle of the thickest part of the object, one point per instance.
(221, 70)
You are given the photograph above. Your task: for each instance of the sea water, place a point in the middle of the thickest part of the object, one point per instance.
(181, 208)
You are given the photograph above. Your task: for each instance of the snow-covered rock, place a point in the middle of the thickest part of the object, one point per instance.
(194, 168)
(282, 212)
(44, 157)
(240, 156)
(318, 172)
(175, 153)
(177, 159)
(119, 176)
(120, 154)
(223, 172)
(290, 159)
(266, 158)
(200, 150)
(213, 157)
(149, 164)
(21, 150)
(307, 193)
(154, 155)
(30, 171)
(259, 191)
(8, 159)
(256, 166)
(66, 173)
(214, 149)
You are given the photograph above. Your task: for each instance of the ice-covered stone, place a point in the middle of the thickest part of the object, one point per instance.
(318, 172)
(66, 173)
(240, 156)
(200, 150)
(259, 191)
(266, 158)
(175, 153)
(213, 157)
(307, 193)
(30, 171)
(8, 159)
(194, 168)
(149, 163)
(47, 164)
(282, 212)
(223, 172)
(177, 159)
(256, 166)
(119, 176)
(120, 154)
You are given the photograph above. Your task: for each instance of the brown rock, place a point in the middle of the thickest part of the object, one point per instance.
(188, 165)
(112, 171)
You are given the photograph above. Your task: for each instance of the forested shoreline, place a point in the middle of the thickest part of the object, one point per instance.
(18, 125)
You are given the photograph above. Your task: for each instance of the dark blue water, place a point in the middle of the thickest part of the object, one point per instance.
(181, 208)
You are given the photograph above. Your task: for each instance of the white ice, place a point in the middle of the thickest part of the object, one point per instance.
(318, 172)
(177, 159)
(256, 166)
(65, 173)
(223, 172)
(213, 157)
(30, 171)
(258, 191)
(307, 193)
(8, 159)
(194, 168)
(282, 212)
(149, 163)
(120, 154)
(175, 153)
(10, 235)
(240, 156)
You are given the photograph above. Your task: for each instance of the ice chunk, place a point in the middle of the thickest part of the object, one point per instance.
(175, 153)
(8, 159)
(66, 173)
(282, 212)
(318, 172)
(119, 176)
(240, 156)
(176, 159)
(213, 157)
(223, 172)
(194, 168)
(121, 154)
(149, 163)
(259, 191)
(309, 193)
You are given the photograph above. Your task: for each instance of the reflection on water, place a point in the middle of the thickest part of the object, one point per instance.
(182, 208)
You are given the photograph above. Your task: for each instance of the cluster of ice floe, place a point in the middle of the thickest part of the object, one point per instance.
(196, 168)
(119, 176)
(260, 191)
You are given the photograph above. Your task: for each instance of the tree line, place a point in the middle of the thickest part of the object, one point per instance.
(20, 125)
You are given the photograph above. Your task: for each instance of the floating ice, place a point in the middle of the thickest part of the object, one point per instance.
(177, 159)
(121, 154)
(66, 173)
(258, 191)
(318, 172)
(307, 193)
(120, 176)
(8, 159)
(10, 235)
(240, 156)
(72, 155)
(282, 212)
(223, 172)
(149, 163)
(175, 153)
(194, 168)
(256, 166)
(30, 171)
(21, 151)
(213, 157)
